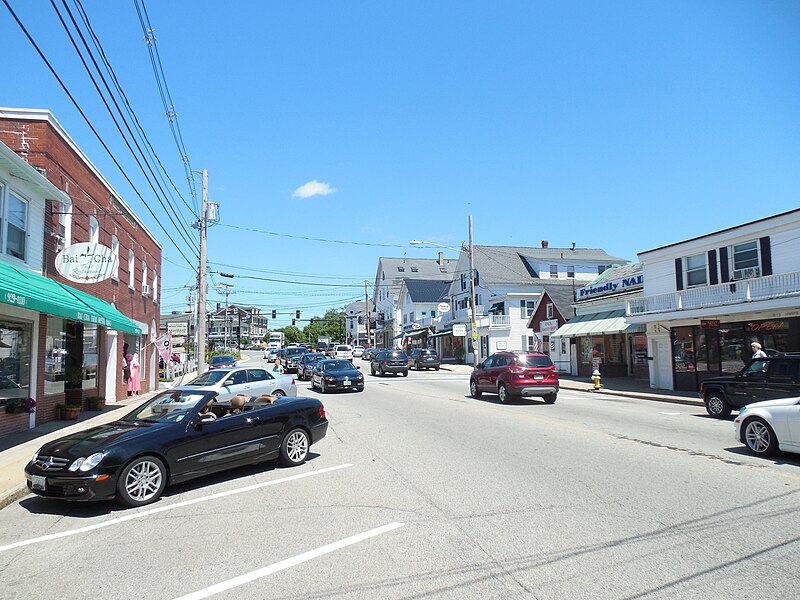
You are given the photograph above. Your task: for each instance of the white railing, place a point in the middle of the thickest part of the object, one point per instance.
(499, 321)
(733, 292)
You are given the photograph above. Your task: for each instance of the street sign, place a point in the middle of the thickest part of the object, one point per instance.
(178, 328)
(459, 330)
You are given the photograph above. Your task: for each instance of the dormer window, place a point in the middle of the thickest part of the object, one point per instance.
(401, 269)
(414, 269)
(554, 271)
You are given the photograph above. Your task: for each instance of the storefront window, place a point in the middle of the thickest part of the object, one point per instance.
(731, 344)
(701, 350)
(55, 353)
(683, 354)
(89, 356)
(615, 348)
(15, 359)
(772, 335)
(640, 349)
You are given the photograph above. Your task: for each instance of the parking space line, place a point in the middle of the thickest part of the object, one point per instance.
(152, 511)
(289, 562)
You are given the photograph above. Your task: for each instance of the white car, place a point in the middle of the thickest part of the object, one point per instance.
(344, 351)
(768, 426)
(358, 351)
(232, 382)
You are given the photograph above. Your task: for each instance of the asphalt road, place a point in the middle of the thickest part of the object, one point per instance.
(420, 491)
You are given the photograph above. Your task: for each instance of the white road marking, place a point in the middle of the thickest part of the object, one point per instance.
(289, 562)
(671, 414)
(152, 511)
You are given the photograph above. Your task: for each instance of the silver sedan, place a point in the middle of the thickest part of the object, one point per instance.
(241, 380)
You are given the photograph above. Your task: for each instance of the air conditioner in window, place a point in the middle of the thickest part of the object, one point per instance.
(145, 290)
(747, 273)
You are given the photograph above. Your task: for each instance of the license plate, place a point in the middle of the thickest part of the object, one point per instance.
(38, 482)
(346, 382)
(538, 376)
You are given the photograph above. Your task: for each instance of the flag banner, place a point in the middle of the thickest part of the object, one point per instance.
(164, 345)
(537, 344)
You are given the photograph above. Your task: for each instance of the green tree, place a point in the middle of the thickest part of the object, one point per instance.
(293, 334)
(331, 325)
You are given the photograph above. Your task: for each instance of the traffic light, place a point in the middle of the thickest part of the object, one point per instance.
(274, 314)
(360, 320)
(297, 314)
(293, 322)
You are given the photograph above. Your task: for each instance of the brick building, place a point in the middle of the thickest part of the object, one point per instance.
(68, 341)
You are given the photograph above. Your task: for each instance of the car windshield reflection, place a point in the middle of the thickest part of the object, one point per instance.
(167, 407)
(339, 365)
(208, 377)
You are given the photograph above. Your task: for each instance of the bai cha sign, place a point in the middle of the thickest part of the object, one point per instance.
(86, 263)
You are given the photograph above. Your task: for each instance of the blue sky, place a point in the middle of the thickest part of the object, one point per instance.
(623, 126)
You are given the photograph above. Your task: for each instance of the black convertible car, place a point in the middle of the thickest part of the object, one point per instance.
(175, 436)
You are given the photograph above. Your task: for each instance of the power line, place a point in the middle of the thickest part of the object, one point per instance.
(179, 229)
(89, 123)
(311, 239)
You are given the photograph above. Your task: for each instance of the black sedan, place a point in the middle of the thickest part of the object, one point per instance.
(174, 437)
(336, 374)
(307, 363)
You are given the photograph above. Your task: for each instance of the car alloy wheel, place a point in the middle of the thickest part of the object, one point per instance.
(716, 406)
(141, 482)
(279, 393)
(294, 448)
(503, 393)
(759, 437)
(473, 389)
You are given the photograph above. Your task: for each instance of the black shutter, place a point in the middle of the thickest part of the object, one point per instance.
(725, 275)
(678, 273)
(766, 256)
(712, 267)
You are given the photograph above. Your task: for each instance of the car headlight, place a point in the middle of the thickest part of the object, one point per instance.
(36, 455)
(88, 463)
(329, 378)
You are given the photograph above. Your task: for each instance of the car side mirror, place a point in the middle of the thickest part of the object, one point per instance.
(357, 367)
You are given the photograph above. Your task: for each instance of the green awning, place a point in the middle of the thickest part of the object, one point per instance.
(597, 324)
(441, 333)
(26, 289)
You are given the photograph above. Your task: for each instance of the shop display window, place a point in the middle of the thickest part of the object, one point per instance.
(683, 353)
(15, 359)
(731, 346)
(90, 356)
(55, 356)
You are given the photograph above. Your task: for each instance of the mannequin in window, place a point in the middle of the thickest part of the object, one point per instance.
(134, 383)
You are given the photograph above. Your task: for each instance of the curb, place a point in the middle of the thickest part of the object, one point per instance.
(653, 397)
(14, 494)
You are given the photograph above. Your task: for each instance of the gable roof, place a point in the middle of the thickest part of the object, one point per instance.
(563, 297)
(396, 270)
(621, 272)
(427, 290)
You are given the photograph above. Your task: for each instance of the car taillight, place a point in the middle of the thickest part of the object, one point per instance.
(293, 382)
(321, 411)
(386, 361)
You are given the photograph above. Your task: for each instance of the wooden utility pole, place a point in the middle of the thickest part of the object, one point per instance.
(366, 310)
(201, 282)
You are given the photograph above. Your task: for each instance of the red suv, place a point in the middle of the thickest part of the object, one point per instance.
(514, 374)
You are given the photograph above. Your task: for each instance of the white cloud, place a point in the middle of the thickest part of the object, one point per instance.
(313, 188)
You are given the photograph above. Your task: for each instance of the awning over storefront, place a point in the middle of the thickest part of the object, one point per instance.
(597, 324)
(26, 289)
(441, 333)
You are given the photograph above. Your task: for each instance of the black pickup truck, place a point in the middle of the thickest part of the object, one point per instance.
(762, 379)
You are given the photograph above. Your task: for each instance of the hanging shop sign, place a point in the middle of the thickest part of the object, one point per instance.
(709, 323)
(86, 263)
(443, 307)
(459, 330)
(549, 326)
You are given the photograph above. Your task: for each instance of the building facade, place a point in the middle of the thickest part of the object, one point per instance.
(86, 339)
(707, 298)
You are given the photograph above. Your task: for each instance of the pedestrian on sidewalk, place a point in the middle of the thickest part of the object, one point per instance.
(757, 351)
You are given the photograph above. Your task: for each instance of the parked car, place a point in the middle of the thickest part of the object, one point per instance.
(307, 363)
(175, 436)
(290, 357)
(222, 361)
(336, 374)
(358, 351)
(368, 354)
(762, 379)
(389, 361)
(768, 426)
(227, 383)
(516, 374)
(424, 358)
(344, 351)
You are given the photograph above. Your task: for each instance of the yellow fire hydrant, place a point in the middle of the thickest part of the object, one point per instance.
(596, 379)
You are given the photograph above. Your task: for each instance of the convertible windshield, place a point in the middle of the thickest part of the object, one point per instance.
(339, 365)
(208, 377)
(166, 407)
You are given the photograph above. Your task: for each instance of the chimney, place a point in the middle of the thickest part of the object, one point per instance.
(441, 259)
(218, 307)
(545, 243)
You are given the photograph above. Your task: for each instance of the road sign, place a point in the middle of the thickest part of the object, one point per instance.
(178, 328)
(459, 330)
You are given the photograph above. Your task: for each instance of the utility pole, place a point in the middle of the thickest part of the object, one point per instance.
(474, 331)
(201, 283)
(366, 310)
